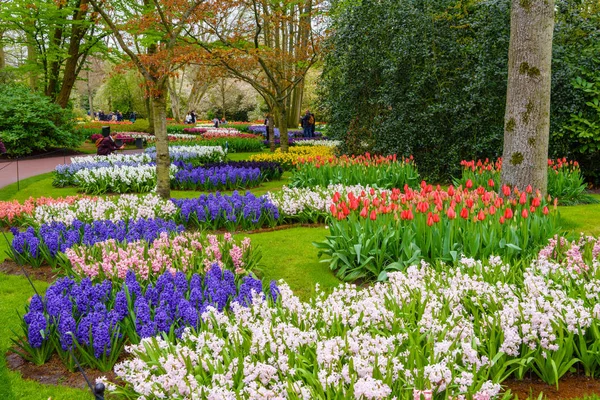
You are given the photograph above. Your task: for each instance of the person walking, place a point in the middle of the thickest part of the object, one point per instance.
(216, 122)
(106, 146)
(313, 124)
(193, 116)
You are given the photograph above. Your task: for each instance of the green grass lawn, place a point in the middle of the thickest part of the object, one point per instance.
(287, 254)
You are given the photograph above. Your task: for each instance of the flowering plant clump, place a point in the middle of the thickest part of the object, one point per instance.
(217, 211)
(374, 234)
(577, 256)
(188, 252)
(14, 213)
(96, 321)
(195, 154)
(269, 171)
(565, 180)
(195, 131)
(119, 179)
(120, 208)
(310, 205)
(35, 246)
(430, 330)
(316, 142)
(288, 159)
(216, 178)
(386, 172)
(65, 174)
(175, 137)
(232, 144)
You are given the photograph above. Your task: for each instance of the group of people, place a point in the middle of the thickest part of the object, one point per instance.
(308, 123)
(216, 122)
(190, 117)
(114, 116)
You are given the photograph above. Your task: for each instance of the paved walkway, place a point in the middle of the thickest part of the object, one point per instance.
(11, 171)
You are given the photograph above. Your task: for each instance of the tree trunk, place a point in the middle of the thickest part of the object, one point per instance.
(296, 109)
(90, 96)
(271, 132)
(163, 160)
(174, 100)
(70, 72)
(282, 125)
(54, 69)
(2, 54)
(527, 118)
(32, 60)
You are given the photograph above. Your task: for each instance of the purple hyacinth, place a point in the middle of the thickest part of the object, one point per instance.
(36, 328)
(67, 327)
(274, 291)
(248, 286)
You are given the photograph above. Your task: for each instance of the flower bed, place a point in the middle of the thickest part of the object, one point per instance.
(386, 172)
(216, 178)
(195, 154)
(188, 252)
(88, 210)
(195, 131)
(288, 159)
(565, 180)
(119, 179)
(14, 213)
(430, 331)
(96, 321)
(374, 234)
(36, 246)
(233, 144)
(310, 205)
(269, 171)
(218, 211)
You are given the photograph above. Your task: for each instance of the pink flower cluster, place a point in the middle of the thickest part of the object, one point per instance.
(576, 256)
(188, 252)
(15, 213)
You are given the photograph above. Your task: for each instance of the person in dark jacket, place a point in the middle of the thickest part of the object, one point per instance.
(2, 148)
(107, 146)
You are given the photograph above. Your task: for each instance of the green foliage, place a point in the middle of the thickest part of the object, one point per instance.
(428, 78)
(31, 122)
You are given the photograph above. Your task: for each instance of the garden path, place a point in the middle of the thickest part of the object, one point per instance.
(13, 170)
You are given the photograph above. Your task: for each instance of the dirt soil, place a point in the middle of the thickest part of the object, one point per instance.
(569, 387)
(43, 273)
(53, 372)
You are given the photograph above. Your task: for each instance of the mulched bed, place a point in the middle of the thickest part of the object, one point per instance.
(43, 273)
(569, 387)
(53, 372)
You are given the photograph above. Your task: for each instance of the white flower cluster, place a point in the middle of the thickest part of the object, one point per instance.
(123, 179)
(176, 135)
(119, 208)
(222, 132)
(187, 152)
(327, 143)
(112, 159)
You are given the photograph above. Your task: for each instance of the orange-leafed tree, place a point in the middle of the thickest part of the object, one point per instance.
(270, 44)
(150, 32)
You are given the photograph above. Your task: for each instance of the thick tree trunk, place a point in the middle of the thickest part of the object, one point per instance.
(54, 69)
(527, 118)
(2, 54)
(296, 109)
(282, 125)
(163, 160)
(32, 60)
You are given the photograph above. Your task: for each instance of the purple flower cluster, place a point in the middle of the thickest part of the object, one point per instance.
(293, 133)
(216, 178)
(44, 244)
(217, 211)
(268, 169)
(97, 315)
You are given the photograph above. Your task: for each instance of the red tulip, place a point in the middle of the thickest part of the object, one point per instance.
(506, 190)
(336, 197)
(492, 210)
(451, 191)
(373, 215)
(536, 202)
(545, 210)
(464, 213)
(523, 198)
(491, 183)
(529, 189)
(508, 213)
(524, 213)
(451, 213)
(481, 215)
(469, 184)
(333, 209)
(501, 220)
(364, 212)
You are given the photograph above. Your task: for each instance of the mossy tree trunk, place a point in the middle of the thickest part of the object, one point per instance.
(527, 117)
(163, 160)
